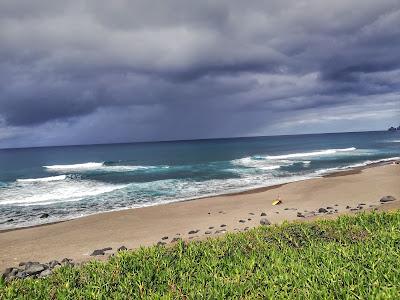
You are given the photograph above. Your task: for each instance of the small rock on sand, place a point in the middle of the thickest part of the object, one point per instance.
(160, 243)
(242, 221)
(263, 214)
(387, 199)
(97, 252)
(322, 210)
(175, 239)
(223, 225)
(264, 221)
(211, 227)
(122, 248)
(164, 238)
(300, 215)
(194, 231)
(208, 232)
(348, 207)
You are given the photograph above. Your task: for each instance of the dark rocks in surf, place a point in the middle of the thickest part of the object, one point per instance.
(44, 216)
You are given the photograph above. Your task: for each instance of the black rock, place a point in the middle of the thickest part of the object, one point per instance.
(35, 269)
(122, 248)
(175, 239)
(106, 249)
(300, 215)
(264, 221)
(329, 207)
(164, 238)
(263, 214)
(194, 231)
(251, 214)
(361, 204)
(242, 221)
(43, 216)
(53, 263)
(353, 209)
(322, 210)
(208, 232)
(10, 220)
(211, 227)
(223, 225)
(387, 199)
(97, 252)
(249, 219)
(161, 243)
(348, 207)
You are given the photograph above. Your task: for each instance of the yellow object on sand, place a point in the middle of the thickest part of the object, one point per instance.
(276, 202)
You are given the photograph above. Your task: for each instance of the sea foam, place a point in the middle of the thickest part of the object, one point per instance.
(98, 166)
(308, 154)
(43, 179)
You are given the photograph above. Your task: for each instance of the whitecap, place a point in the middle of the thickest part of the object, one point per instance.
(43, 179)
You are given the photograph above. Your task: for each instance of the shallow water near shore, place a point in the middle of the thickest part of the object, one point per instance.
(68, 182)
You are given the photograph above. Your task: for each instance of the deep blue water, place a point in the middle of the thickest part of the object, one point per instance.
(68, 182)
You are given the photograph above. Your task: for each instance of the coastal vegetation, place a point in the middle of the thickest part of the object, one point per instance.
(352, 257)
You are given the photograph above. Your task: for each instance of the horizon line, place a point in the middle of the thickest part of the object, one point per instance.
(186, 140)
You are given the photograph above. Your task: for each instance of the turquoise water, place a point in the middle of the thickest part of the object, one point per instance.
(73, 181)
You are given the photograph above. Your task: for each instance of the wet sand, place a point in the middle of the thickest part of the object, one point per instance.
(342, 193)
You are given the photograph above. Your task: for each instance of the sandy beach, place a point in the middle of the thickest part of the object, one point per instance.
(347, 192)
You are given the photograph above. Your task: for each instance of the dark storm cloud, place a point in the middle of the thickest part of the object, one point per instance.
(100, 71)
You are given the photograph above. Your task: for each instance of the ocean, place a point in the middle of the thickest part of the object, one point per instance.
(73, 181)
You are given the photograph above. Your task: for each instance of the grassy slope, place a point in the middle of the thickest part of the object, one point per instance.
(351, 257)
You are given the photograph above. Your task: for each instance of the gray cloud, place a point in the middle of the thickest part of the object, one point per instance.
(113, 71)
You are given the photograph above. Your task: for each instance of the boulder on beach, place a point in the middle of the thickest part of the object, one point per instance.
(322, 210)
(97, 252)
(265, 222)
(387, 199)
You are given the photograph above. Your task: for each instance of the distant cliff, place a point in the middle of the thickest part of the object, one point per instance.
(394, 128)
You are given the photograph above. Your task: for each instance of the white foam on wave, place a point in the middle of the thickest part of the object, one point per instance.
(255, 162)
(357, 165)
(50, 192)
(96, 166)
(84, 166)
(308, 154)
(43, 179)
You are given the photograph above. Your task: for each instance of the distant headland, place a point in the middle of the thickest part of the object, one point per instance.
(394, 128)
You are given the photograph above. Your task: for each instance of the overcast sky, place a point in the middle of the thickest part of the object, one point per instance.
(79, 72)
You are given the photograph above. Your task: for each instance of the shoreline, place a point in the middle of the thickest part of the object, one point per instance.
(210, 216)
(251, 190)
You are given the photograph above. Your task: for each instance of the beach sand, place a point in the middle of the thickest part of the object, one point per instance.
(133, 228)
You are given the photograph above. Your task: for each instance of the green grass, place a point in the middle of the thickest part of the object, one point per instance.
(353, 257)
